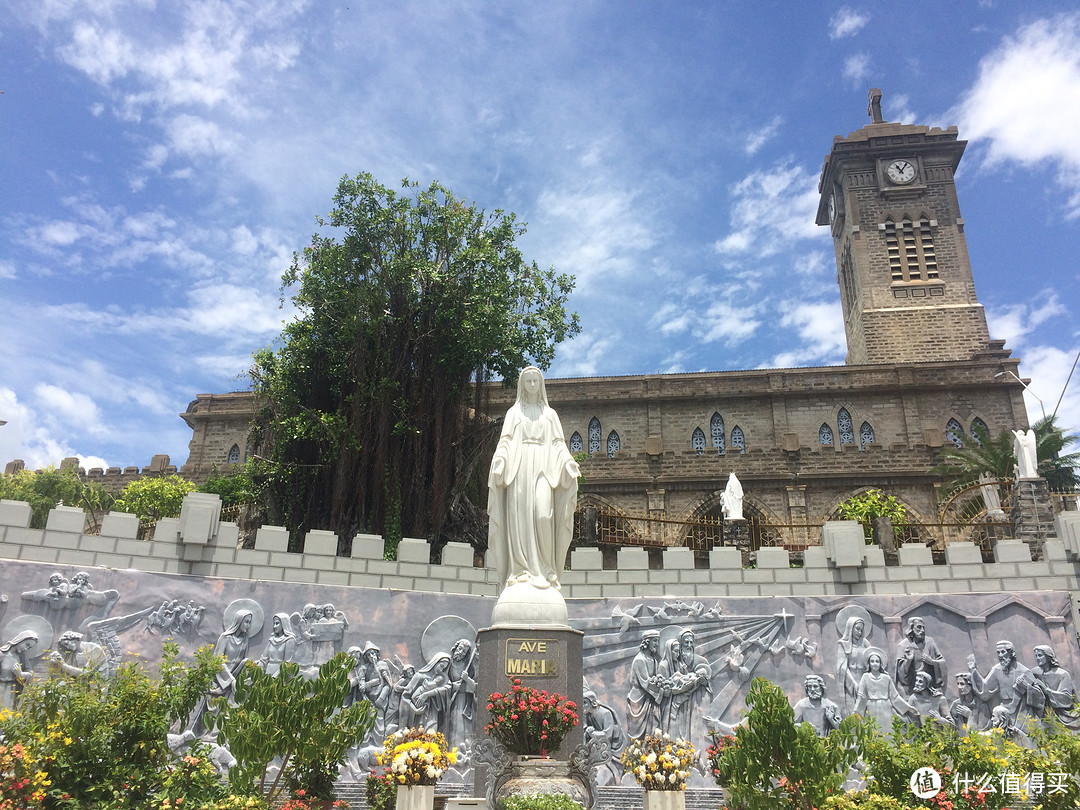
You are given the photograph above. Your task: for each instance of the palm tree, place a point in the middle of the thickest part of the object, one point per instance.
(996, 457)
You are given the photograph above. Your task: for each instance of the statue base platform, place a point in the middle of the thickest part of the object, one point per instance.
(524, 605)
(541, 657)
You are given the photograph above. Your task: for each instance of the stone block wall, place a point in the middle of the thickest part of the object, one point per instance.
(200, 545)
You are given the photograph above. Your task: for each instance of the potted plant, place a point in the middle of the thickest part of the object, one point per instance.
(299, 720)
(540, 801)
(530, 721)
(416, 759)
(661, 766)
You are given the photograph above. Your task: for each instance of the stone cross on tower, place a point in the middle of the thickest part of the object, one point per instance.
(873, 108)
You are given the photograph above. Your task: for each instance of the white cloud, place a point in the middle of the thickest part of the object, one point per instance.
(1025, 104)
(584, 356)
(820, 328)
(856, 68)
(772, 210)
(1015, 322)
(847, 22)
(723, 322)
(7, 270)
(755, 140)
(61, 406)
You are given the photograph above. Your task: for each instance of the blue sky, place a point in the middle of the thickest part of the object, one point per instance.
(161, 161)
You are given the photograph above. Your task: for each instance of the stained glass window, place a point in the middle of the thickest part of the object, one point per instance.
(866, 435)
(738, 441)
(594, 435)
(697, 441)
(847, 429)
(576, 445)
(612, 443)
(954, 432)
(234, 454)
(825, 435)
(716, 427)
(978, 426)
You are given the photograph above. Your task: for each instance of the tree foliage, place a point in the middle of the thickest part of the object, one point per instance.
(773, 762)
(50, 487)
(363, 419)
(994, 455)
(865, 507)
(154, 498)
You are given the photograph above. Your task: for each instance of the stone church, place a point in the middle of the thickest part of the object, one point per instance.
(921, 371)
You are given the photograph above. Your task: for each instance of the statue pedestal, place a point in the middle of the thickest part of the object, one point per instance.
(542, 657)
(1032, 514)
(524, 605)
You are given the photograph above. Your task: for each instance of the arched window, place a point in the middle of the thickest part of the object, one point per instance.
(697, 441)
(738, 441)
(866, 435)
(954, 432)
(978, 426)
(716, 428)
(612, 444)
(234, 454)
(594, 435)
(825, 435)
(846, 427)
(576, 445)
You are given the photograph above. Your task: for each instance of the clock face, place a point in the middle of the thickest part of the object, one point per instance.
(901, 171)
(832, 208)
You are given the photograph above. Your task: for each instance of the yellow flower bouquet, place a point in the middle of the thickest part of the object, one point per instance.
(416, 757)
(659, 762)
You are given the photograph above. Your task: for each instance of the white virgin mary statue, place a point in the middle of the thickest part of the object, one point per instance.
(532, 492)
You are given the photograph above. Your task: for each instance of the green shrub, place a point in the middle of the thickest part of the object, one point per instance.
(539, 801)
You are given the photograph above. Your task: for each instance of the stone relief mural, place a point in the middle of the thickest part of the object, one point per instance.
(682, 667)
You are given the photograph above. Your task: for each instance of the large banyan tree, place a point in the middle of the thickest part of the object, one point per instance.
(367, 416)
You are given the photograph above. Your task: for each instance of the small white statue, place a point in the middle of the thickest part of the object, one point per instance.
(1027, 461)
(731, 499)
(991, 498)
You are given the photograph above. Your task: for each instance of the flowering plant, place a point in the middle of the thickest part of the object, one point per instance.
(298, 802)
(528, 720)
(381, 791)
(22, 784)
(659, 762)
(416, 757)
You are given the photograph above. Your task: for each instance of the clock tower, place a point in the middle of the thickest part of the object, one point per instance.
(889, 198)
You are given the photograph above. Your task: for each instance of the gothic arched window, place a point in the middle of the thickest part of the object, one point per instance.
(576, 445)
(954, 432)
(847, 429)
(866, 435)
(738, 440)
(697, 441)
(612, 444)
(978, 426)
(825, 435)
(234, 454)
(594, 435)
(716, 428)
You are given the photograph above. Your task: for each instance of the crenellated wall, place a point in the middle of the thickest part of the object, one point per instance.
(199, 543)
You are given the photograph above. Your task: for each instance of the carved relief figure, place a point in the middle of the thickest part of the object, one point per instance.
(600, 722)
(688, 674)
(393, 706)
(647, 688)
(374, 682)
(233, 645)
(280, 647)
(75, 656)
(851, 660)
(327, 633)
(463, 697)
(927, 701)
(305, 643)
(918, 652)
(532, 490)
(815, 708)
(968, 712)
(15, 668)
(1011, 683)
(1056, 685)
(426, 700)
(877, 695)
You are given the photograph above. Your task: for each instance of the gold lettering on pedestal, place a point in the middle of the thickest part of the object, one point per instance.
(538, 658)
